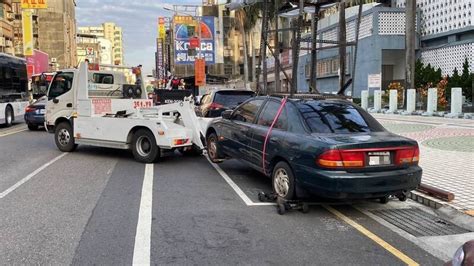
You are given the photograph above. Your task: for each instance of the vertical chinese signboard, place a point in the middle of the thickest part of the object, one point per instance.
(186, 28)
(199, 72)
(27, 24)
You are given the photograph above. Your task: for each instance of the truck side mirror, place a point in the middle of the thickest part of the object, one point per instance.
(55, 100)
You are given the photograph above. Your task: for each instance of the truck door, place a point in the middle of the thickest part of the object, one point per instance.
(277, 138)
(60, 97)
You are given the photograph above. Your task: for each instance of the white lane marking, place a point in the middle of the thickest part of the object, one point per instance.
(28, 177)
(11, 133)
(236, 188)
(141, 251)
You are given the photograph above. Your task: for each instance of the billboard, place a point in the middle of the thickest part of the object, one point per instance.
(37, 63)
(27, 24)
(185, 28)
(34, 4)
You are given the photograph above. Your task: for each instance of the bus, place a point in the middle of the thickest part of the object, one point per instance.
(40, 84)
(13, 89)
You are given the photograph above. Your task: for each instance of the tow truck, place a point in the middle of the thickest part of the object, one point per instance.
(125, 120)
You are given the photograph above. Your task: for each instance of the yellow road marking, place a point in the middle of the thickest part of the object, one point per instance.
(11, 133)
(397, 253)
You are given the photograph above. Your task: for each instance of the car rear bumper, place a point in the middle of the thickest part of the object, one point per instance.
(34, 119)
(342, 184)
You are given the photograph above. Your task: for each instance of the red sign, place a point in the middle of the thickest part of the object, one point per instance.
(200, 72)
(37, 63)
(193, 42)
(102, 106)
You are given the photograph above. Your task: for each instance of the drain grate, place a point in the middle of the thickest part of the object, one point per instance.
(419, 223)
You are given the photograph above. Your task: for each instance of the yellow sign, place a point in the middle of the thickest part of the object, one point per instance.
(34, 4)
(161, 28)
(27, 23)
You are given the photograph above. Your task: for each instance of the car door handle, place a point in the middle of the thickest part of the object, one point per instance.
(69, 105)
(274, 139)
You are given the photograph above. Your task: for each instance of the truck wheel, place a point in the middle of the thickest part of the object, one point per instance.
(212, 151)
(144, 146)
(8, 116)
(283, 181)
(64, 137)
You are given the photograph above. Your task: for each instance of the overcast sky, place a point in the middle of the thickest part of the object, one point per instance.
(138, 20)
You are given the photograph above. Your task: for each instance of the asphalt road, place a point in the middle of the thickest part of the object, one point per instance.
(99, 206)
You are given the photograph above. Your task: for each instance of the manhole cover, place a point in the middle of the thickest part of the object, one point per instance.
(405, 128)
(459, 143)
(419, 223)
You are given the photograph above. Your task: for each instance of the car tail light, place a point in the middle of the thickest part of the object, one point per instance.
(29, 109)
(215, 106)
(356, 158)
(341, 159)
(407, 155)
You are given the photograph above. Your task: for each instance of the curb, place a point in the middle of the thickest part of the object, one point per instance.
(426, 200)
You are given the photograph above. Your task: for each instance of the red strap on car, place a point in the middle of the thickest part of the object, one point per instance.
(269, 132)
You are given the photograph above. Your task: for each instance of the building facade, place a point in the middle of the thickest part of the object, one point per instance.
(57, 32)
(112, 33)
(445, 36)
(6, 27)
(18, 28)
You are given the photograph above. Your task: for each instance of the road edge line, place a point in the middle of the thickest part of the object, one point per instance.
(31, 175)
(142, 246)
(397, 253)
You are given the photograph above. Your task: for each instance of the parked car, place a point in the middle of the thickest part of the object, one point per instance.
(34, 113)
(214, 103)
(329, 148)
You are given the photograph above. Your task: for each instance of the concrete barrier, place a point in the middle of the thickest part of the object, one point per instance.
(432, 101)
(393, 102)
(364, 99)
(377, 101)
(456, 102)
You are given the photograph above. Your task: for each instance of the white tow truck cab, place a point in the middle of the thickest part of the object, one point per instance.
(83, 110)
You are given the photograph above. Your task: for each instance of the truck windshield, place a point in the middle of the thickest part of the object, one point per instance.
(61, 84)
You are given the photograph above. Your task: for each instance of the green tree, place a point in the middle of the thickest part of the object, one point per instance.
(466, 80)
(419, 78)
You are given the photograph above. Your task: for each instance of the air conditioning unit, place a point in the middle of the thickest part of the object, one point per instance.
(10, 16)
(9, 43)
(53, 60)
(2, 41)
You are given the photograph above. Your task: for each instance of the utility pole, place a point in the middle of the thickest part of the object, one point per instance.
(296, 50)
(410, 14)
(314, 36)
(277, 51)
(342, 44)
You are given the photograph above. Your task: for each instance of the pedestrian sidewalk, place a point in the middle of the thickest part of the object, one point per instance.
(446, 152)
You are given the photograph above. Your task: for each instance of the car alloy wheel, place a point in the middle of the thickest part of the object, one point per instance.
(281, 182)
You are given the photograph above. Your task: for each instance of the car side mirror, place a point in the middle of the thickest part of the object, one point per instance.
(227, 114)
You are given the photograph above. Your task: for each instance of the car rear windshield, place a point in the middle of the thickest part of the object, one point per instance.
(232, 98)
(335, 117)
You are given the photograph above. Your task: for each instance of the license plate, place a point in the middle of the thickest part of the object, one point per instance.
(379, 158)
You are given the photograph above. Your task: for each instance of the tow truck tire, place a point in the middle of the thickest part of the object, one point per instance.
(212, 151)
(144, 146)
(64, 137)
(8, 116)
(283, 181)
